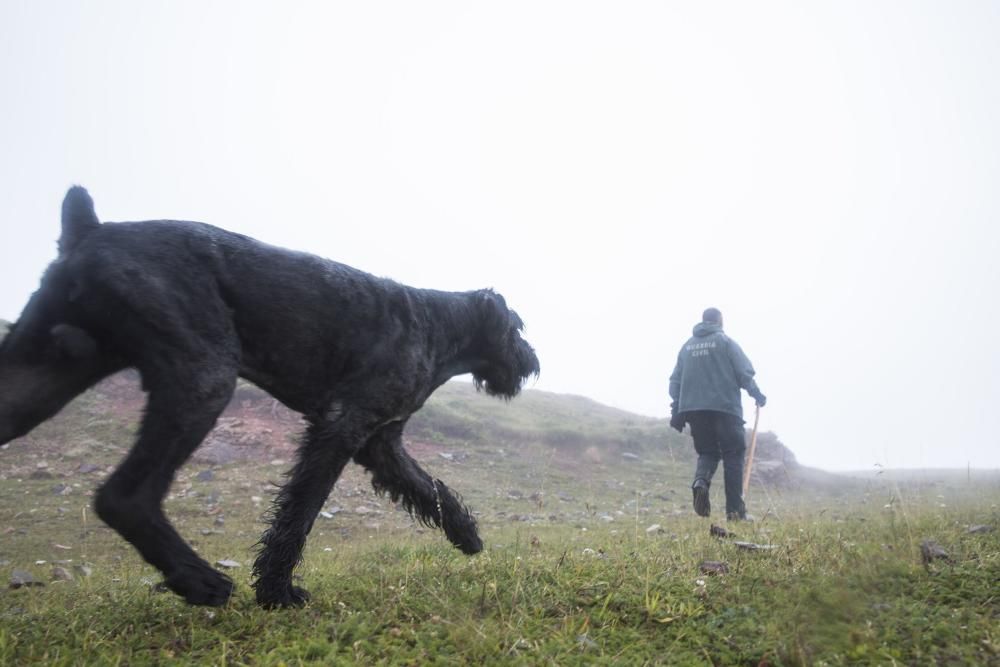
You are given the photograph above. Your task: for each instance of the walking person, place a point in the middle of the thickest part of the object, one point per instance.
(705, 390)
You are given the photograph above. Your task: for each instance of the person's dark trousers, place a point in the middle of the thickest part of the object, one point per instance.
(719, 436)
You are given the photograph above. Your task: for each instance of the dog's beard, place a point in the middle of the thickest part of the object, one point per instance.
(505, 378)
(495, 385)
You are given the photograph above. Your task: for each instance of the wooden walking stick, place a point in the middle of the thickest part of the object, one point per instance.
(753, 447)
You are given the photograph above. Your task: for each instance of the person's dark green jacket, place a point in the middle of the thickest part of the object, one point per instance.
(711, 370)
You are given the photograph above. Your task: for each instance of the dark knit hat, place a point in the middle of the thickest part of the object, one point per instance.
(713, 315)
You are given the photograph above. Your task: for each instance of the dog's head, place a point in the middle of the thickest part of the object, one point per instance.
(44, 360)
(41, 371)
(506, 360)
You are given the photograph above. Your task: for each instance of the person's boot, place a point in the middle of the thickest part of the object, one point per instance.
(738, 514)
(702, 506)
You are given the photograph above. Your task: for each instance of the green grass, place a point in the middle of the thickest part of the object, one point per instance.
(845, 586)
(570, 574)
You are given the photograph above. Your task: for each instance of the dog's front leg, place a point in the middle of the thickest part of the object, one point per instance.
(424, 497)
(329, 444)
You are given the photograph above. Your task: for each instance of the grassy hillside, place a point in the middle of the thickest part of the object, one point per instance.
(594, 571)
(456, 413)
(593, 555)
(536, 442)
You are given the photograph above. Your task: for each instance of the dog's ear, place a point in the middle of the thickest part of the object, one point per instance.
(73, 342)
(78, 218)
(495, 315)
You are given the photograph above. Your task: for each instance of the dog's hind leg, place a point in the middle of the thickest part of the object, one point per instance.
(395, 472)
(185, 398)
(329, 444)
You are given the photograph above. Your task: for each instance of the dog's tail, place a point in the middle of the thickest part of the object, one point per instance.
(78, 218)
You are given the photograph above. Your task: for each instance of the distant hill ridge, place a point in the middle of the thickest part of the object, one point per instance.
(457, 416)
(570, 426)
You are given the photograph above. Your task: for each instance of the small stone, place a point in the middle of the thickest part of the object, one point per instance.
(227, 564)
(750, 546)
(41, 474)
(629, 456)
(718, 531)
(61, 574)
(205, 476)
(62, 489)
(655, 528)
(87, 468)
(326, 515)
(278, 462)
(980, 529)
(83, 569)
(446, 456)
(931, 551)
(21, 578)
(713, 567)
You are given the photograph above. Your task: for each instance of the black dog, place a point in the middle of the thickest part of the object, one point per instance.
(193, 307)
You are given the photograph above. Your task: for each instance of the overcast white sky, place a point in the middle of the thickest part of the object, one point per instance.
(824, 173)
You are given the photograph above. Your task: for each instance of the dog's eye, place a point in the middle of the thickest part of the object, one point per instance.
(73, 342)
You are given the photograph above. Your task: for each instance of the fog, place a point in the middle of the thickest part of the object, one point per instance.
(824, 173)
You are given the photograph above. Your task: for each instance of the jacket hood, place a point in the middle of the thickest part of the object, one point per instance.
(706, 329)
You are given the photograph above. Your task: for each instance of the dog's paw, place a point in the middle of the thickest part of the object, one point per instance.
(203, 586)
(282, 598)
(471, 545)
(465, 537)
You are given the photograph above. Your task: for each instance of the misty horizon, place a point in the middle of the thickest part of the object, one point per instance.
(824, 175)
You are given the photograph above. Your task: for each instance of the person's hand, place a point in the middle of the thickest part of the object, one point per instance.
(761, 400)
(677, 421)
